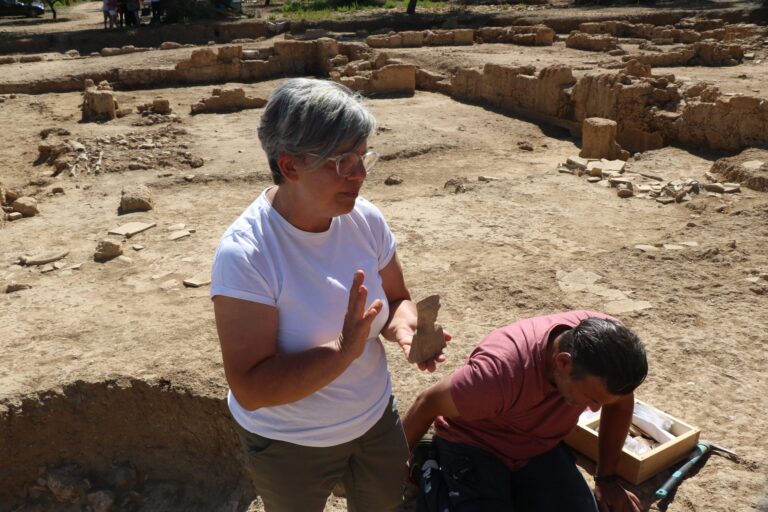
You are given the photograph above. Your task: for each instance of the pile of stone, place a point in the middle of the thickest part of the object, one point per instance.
(15, 205)
(227, 100)
(70, 486)
(592, 43)
(110, 52)
(617, 174)
(157, 112)
(702, 53)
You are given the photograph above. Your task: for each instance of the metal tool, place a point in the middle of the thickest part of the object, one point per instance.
(700, 451)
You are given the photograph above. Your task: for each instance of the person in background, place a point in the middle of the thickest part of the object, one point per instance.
(304, 283)
(133, 12)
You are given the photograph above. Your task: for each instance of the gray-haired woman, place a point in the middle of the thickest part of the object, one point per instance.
(299, 331)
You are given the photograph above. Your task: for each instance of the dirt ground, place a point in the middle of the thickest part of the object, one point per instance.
(114, 368)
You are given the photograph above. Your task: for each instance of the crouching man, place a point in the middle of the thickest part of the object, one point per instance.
(501, 418)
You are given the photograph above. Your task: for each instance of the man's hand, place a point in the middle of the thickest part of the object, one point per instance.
(612, 497)
(404, 338)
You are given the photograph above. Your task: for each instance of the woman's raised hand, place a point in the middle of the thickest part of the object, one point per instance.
(358, 320)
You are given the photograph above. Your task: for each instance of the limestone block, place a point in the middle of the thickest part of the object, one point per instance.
(136, 198)
(169, 45)
(412, 38)
(490, 34)
(25, 205)
(395, 78)
(634, 67)
(463, 36)
(427, 80)
(592, 43)
(524, 39)
(440, 38)
(354, 51)
(229, 53)
(98, 105)
(378, 41)
(599, 140)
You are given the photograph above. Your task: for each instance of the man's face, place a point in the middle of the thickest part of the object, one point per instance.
(586, 392)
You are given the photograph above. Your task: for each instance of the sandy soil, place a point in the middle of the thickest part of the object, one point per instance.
(502, 250)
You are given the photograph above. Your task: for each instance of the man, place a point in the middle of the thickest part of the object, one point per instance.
(500, 419)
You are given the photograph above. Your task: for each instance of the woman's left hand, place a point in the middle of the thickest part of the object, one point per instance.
(404, 338)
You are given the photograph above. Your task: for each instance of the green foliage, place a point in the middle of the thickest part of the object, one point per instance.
(322, 9)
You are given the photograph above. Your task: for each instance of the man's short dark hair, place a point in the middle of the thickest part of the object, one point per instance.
(609, 350)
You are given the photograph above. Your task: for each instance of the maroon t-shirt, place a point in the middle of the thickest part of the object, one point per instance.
(507, 405)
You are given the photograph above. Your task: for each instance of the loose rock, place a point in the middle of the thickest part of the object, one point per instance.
(136, 198)
(107, 250)
(27, 206)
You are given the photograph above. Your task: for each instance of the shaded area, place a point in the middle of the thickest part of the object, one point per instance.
(149, 446)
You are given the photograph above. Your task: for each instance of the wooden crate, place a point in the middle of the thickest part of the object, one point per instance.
(636, 468)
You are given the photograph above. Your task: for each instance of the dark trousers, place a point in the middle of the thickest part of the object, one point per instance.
(472, 480)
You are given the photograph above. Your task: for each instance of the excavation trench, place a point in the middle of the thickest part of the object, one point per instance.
(130, 444)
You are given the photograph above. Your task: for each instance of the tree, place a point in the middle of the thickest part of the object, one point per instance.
(52, 4)
(412, 7)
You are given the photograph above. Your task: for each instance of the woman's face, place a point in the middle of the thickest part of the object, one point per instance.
(327, 192)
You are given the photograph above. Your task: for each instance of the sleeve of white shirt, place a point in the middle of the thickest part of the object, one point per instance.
(239, 271)
(385, 239)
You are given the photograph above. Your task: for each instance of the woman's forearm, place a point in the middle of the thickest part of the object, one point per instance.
(286, 378)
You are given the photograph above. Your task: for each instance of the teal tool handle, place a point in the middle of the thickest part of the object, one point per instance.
(677, 476)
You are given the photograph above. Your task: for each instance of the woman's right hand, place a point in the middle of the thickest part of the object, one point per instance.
(358, 320)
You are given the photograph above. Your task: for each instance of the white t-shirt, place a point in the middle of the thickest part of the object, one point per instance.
(307, 276)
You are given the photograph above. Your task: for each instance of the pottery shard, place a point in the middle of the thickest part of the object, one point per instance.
(599, 140)
(27, 206)
(428, 340)
(106, 250)
(136, 198)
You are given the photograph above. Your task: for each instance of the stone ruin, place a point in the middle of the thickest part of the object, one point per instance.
(750, 168)
(227, 100)
(598, 138)
(98, 102)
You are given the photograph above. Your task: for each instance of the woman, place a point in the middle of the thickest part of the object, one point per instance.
(303, 283)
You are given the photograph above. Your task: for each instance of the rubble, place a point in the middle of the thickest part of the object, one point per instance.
(593, 43)
(227, 100)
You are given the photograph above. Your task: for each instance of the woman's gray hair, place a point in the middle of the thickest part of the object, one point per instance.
(312, 116)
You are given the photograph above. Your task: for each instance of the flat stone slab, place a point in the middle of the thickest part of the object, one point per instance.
(197, 281)
(646, 248)
(618, 307)
(178, 235)
(131, 228)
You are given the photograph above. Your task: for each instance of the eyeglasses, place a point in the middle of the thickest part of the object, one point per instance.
(346, 164)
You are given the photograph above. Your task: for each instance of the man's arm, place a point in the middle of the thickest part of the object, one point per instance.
(433, 402)
(615, 419)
